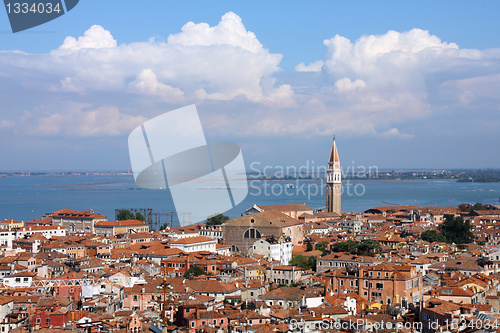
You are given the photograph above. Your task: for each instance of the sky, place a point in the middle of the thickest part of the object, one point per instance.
(401, 84)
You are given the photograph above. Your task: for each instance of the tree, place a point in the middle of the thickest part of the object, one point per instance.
(456, 230)
(194, 271)
(140, 217)
(366, 247)
(464, 207)
(217, 219)
(311, 262)
(433, 236)
(405, 234)
(477, 206)
(299, 261)
(303, 262)
(309, 246)
(125, 214)
(321, 246)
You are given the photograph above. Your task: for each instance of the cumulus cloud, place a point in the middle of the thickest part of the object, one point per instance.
(364, 86)
(230, 31)
(222, 62)
(312, 67)
(94, 38)
(346, 84)
(147, 83)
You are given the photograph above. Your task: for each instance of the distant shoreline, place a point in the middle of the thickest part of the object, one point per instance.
(462, 176)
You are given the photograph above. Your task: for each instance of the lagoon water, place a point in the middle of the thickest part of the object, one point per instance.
(25, 198)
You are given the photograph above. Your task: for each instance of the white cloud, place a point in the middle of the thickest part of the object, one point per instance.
(394, 133)
(94, 38)
(230, 31)
(103, 121)
(225, 62)
(312, 67)
(345, 84)
(360, 87)
(147, 83)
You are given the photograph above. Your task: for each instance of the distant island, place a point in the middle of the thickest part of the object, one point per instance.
(458, 175)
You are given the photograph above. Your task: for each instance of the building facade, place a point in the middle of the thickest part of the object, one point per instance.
(384, 283)
(195, 244)
(273, 248)
(77, 222)
(242, 232)
(111, 228)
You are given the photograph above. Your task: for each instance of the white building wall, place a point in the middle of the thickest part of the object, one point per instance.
(195, 247)
(282, 252)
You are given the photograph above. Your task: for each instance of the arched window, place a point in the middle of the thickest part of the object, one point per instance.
(252, 233)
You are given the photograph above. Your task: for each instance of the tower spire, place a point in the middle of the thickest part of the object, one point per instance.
(334, 155)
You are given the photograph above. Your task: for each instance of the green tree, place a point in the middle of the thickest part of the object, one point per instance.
(456, 230)
(311, 263)
(217, 219)
(140, 217)
(366, 247)
(477, 206)
(405, 234)
(299, 261)
(125, 214)
(194, 271)
(309, 246)
(321, 246)
(433, 236)
(303, 262)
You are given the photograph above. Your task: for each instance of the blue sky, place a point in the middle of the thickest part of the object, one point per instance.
(401, 84)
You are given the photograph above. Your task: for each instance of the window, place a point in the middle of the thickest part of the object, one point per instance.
(252, 233)
(47, 321)
(222, 321)
(38, 320)
(192, 324)
(380, 286)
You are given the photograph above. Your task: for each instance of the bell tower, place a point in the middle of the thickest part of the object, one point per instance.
(333, 182)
